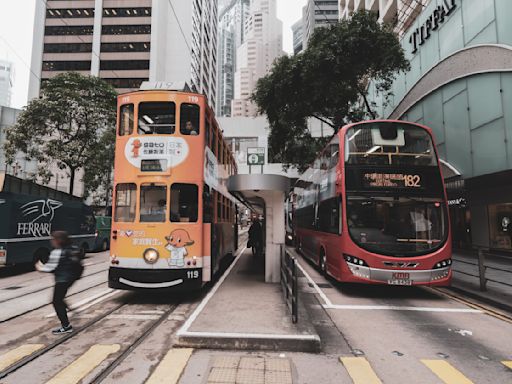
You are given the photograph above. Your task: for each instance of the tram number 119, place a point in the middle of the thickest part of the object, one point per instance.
(192, 274)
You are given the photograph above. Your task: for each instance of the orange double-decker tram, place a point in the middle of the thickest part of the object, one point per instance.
(173, 218)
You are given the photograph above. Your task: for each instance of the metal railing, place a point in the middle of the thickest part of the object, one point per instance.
(289, 283)
(482, 270)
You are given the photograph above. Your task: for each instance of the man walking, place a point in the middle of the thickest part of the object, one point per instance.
(65, 264)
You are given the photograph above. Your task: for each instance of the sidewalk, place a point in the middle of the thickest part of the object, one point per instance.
(499, 268)
(243, 312)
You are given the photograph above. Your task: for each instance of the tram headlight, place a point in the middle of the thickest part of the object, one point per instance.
(151, 256)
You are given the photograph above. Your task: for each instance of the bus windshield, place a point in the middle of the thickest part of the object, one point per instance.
(389, 143)
(397, 226)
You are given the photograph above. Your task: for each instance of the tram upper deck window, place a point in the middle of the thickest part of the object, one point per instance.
(153, 203)
(157, 118)
(189, 124)
(184, 203)
(125, 203)
(126, 120)
(389, 143)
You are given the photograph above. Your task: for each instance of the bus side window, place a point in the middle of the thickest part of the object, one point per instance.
(184, 203)
(153, 203)
(207, 205)
(329, 216)
(157, 118)
(126, 120)
(189, 119)
(125, 200)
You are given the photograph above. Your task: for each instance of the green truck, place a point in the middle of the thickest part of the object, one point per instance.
(103, 224)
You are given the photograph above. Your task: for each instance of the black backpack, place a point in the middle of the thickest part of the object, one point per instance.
(74, 258)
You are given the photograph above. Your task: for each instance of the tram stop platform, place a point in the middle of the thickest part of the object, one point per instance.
(242, 311)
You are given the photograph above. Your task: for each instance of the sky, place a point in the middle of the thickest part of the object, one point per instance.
(17, 24)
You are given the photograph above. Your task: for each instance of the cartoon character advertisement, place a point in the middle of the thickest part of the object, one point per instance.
(177, 243)
(173, 149)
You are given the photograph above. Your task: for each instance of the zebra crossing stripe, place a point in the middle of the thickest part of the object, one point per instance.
(11, 357)
(360, 370)
(446, 372)
(171, 367)
(84, 365)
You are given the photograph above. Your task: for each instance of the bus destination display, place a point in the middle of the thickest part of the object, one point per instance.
(392, 180)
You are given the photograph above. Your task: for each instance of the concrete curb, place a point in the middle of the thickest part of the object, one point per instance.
(290, 343)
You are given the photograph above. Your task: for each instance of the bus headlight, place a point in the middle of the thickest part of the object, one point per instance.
(151, 256)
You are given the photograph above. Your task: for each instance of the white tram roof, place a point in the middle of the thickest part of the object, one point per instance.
(180, 86)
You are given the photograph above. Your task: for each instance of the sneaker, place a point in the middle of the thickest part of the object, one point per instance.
(62, 330)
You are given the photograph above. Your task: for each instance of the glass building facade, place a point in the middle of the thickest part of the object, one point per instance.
(460, 85)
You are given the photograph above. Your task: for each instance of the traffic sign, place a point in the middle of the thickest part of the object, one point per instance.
(256, 156)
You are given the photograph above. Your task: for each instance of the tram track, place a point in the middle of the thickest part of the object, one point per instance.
(23, 362)
(128, 350)
(47, 287)
(48, 303)
(105, 372)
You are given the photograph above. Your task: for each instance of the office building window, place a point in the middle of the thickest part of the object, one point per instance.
(126, 12)
(111, 65)
(125, 47)
(66, 65)
(126, 29)
(70, 30)
(125, 83)
(69, 13)
(68, 48)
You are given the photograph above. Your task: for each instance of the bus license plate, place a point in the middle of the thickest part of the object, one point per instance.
(400, 278)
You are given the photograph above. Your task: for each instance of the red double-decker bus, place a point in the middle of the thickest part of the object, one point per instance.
(372, 208)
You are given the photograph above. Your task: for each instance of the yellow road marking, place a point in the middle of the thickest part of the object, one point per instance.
(446, 372)
(485, 309)
(360, 370)
(11, 357)
(82, 366)
(171, 367)
(508, 364)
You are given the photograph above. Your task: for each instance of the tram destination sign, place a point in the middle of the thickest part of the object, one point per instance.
(432, 23)
(256, 156)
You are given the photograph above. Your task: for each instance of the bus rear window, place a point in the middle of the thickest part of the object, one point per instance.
(153, 203)
(157, 118)
(184, 203)
(126, 120)
(125, 202)
(189, 120)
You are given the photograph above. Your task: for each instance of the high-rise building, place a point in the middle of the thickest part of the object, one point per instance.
(232, 20)
(262, 45)
(402, 13)
(6, 82)
(298, 36)
(318, 13)
(127, 42)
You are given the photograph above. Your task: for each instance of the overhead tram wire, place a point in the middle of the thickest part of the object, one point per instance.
(19, 57)
(78, 37)
(179, 26)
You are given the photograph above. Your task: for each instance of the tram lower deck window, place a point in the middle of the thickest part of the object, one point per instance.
(126, 196)
(153, 203)
(184, 203)
(158, 118)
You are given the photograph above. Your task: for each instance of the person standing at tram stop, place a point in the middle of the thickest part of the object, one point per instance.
(256, 237)
(65, 263)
